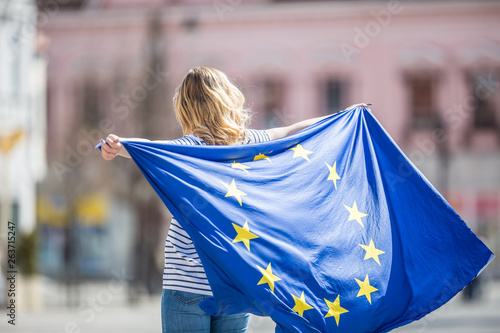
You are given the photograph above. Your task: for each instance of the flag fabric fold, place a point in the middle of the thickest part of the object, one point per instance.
(331, 229)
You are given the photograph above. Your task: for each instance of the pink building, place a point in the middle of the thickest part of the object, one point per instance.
(431, 70)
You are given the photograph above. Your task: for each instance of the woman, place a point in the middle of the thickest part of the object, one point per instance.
(211, 111)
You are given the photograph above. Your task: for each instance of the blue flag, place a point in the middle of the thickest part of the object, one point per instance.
(331, 229)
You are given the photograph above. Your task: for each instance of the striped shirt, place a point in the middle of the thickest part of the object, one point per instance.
(183, 270)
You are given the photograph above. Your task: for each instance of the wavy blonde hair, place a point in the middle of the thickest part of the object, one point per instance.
(209, 106)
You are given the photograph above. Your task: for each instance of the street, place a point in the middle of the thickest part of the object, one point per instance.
(113, 314)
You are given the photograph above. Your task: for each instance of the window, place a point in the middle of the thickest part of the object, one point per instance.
(91, 97)
(422, 88)
(67, 4)
(271, 93)
(335, 95)
(483, 86)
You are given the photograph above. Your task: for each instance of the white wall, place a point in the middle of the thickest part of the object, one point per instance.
(22, 108)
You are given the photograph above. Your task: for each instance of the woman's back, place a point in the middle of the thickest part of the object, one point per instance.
(183, 270)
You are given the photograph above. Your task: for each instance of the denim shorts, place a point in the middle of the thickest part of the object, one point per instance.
(180, 313)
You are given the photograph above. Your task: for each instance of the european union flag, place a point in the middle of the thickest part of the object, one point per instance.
(331, 229)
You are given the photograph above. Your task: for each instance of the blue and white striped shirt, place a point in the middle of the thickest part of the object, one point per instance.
(183, 270)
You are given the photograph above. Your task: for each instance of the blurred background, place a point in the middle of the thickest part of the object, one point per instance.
(90, 233)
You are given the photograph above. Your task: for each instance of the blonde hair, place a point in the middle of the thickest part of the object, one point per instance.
(209, 106)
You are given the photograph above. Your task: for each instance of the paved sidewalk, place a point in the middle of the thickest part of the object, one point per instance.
(103, 314)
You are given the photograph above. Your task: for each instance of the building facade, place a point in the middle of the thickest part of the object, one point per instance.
(431, 70)
(22, 124)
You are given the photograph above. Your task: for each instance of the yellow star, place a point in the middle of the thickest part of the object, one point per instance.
(335, 309)
(371, 251)
(244, 235)
(301, 152)
(233, 191)
(262, 157)
(355, 214)
(240, 166)
(268, 276)
(333, 173)
(365, 288)
(300, 305)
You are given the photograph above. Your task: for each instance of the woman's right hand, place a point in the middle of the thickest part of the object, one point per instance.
(111, 147)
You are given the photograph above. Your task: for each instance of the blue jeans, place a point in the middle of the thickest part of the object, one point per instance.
(180, 313)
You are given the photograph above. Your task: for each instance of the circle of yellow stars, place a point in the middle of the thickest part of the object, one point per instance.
(244, 235)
